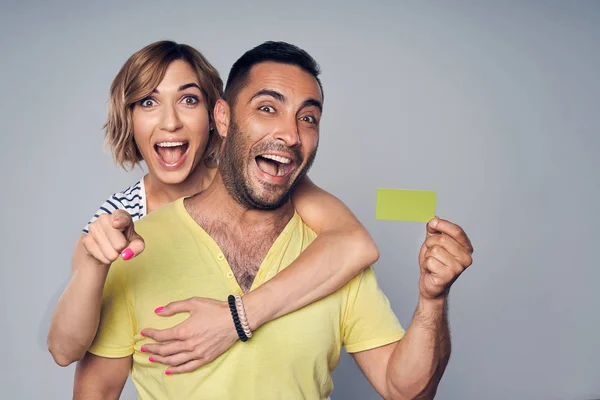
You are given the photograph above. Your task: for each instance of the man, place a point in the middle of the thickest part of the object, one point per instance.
(244, 227)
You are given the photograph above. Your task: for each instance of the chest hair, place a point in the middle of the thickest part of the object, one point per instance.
(245, 248)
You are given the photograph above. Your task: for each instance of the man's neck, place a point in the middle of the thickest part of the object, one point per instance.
(217, 203)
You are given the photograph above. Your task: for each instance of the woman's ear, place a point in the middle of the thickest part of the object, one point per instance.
(221, 116)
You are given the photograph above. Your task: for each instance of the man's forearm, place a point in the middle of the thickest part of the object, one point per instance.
(417, 364)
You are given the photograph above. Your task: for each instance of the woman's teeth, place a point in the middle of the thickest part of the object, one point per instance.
(170, 144)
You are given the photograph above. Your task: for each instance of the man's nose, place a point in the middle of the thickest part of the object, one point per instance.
(170, 119)
(287, 132)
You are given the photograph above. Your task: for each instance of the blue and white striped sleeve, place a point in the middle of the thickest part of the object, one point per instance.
(131, 200)
(109, 207)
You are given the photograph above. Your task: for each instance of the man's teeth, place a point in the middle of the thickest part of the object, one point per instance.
(170, 144)
(283, 160)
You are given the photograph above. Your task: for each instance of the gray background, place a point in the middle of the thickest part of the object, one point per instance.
(492, 105)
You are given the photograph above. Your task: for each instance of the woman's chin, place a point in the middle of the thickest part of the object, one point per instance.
(172, 176)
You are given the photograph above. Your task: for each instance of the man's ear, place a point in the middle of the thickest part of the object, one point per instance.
(221, 115)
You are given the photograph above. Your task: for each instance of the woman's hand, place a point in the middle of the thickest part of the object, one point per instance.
(112, 235)
(204, 336)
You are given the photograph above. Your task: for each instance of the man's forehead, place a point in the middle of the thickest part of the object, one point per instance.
(287, 78)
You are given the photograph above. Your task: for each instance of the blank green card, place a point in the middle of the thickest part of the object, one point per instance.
(405, 205)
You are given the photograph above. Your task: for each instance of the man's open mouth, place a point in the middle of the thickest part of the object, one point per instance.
(274, 165)
(171, 152)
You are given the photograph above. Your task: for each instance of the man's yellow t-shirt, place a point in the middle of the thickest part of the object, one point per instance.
(288, 358)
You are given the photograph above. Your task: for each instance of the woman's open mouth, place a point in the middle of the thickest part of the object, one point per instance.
(171, 154)
(274, 165)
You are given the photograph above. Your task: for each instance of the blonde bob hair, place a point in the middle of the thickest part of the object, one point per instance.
(138, 77)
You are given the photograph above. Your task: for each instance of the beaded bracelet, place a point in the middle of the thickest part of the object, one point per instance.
(236, 319)
(239, 304)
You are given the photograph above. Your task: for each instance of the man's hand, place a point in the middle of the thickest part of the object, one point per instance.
(112, 235)
(444, 255)
(204, 336)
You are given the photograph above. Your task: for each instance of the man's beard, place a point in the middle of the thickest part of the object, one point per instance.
(233, 167)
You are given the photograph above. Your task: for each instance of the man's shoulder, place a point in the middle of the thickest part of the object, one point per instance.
(160, 219)
(160, 230)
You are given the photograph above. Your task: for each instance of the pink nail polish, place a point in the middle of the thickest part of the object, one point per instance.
(143, 350)
(142, 333)
(159, 310)
(168, 372)
(151, 359)
(127, 254)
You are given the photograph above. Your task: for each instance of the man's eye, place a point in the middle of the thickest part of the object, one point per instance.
(190, 100)
(309, 118)
(268, 109)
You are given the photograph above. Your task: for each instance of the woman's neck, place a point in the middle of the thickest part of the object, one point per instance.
(158, 193)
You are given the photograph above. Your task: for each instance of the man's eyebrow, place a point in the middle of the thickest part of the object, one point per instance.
(183, 87)
(278, 96)
(313, 102)
(267, 92)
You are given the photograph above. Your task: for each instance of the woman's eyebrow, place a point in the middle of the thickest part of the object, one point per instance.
(183, 87)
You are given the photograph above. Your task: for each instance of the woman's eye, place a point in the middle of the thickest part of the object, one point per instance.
(147, 103)
(268, 109)
(190, 100)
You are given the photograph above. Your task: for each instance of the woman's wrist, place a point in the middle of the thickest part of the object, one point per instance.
(259, 310)
(91, 274)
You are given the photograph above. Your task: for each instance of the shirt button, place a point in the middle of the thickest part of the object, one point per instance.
(230, 274)
(220, 257)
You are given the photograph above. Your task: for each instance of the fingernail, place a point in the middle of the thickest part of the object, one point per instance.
(127, 254)
(434, 222)
(159, 310)
(151, 359)
(168, 372)
(143, 350)
(142, 333)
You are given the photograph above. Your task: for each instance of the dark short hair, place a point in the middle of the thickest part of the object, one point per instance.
(279, 52)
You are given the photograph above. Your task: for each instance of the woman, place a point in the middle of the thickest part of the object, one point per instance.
(161, 112)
